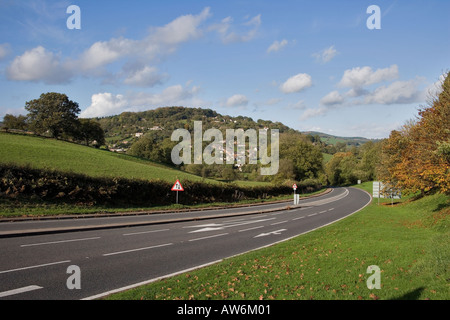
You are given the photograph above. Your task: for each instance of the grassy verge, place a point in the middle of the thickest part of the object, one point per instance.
(407, 241)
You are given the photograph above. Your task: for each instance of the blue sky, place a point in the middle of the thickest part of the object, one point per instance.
(312, 65)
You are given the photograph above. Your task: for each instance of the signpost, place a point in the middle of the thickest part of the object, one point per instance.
(377, 187)
(380, 190)
(177, 187)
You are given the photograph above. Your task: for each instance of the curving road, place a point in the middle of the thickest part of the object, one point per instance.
(112, 253)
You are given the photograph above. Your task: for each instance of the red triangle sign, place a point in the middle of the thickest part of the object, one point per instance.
(177, 186)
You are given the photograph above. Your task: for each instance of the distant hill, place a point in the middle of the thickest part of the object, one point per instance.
(333, 140)
(122, 130)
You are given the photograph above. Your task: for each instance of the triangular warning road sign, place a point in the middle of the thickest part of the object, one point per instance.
(177, 186)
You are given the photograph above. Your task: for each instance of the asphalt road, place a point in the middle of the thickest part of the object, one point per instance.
(47, 259)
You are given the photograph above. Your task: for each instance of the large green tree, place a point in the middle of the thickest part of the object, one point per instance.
(89, 131)
(52, 112)
(307, 159)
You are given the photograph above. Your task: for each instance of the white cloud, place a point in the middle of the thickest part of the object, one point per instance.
(399, 92)
(230, 36)
(296, 83)
(173, 95)
(277, 46)
(135, 58)
(38, 64)
(237, 100)
(434, 89)
(160, 42)
(106, 104)
(359, 77)
(326, 55)
(180, 30)
(145, 77)
(313, 112)
(299, 105)
(334, 97)
(102, 53)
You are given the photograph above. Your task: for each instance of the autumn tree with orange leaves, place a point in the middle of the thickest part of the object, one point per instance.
(417, 157)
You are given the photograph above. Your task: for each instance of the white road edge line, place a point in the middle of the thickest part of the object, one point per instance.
(138, 249)
(36, 266)
(54, 242)
(18, 291)
(135, 285)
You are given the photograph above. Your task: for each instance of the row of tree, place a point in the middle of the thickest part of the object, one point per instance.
(56, 115)
(355, 164)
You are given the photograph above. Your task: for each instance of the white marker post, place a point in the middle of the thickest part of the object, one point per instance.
(295, 198)
(177, 187)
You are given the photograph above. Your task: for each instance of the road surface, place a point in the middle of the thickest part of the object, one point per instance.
(48, 259)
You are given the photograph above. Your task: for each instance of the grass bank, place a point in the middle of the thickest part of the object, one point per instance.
(52, 154)
(407, 241)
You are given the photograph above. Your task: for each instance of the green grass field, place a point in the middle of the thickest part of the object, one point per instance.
(408, 242)
(45, 153)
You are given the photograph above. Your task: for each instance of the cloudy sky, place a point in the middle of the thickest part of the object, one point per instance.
(312, 65)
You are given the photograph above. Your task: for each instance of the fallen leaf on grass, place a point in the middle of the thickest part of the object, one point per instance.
(373, 296)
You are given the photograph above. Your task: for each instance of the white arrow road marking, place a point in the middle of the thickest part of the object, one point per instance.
(19, 290)
(208, 237)
(221, 226)
(269, 233)
(207, 229)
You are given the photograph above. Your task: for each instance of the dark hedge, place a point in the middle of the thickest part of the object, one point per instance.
(62, 187)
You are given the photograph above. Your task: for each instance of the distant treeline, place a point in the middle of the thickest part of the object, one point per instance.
(21, 183)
